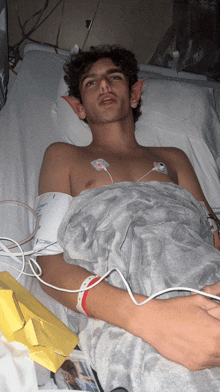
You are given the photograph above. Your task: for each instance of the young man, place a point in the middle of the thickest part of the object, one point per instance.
(185, 330)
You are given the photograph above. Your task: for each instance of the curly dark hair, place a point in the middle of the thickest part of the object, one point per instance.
(80, 63)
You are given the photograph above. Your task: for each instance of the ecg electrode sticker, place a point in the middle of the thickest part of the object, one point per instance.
(100, 164)
(160, 167)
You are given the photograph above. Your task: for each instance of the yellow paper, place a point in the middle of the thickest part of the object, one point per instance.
(25, 320)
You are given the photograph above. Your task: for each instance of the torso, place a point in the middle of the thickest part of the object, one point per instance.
(82, 175)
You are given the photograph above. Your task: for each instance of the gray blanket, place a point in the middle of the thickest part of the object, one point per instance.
(157, 234)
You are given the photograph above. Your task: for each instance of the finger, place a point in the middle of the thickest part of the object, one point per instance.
(215, 312)
(205, 303)
(212, 289)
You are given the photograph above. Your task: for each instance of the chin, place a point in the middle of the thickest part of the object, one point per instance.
(114, 117)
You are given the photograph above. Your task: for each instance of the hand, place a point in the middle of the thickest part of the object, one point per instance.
(184, 330)
(212, 289)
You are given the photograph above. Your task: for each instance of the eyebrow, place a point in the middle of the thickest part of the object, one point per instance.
(110, 71)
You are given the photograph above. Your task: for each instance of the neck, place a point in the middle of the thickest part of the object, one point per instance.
(117, 137)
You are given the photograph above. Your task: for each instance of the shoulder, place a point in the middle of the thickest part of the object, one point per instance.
(60, 149)
(60, 154)
(175, 157)
(171, 152)
(56, 167)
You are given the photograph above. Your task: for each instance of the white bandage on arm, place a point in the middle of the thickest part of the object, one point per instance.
(50, 208)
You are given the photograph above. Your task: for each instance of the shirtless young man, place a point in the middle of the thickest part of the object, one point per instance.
(185, 330)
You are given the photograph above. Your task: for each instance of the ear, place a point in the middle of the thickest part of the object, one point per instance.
(76, 106)
(136, 91)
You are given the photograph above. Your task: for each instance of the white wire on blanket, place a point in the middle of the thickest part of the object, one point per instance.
(32, 261)
(5, 251)
(126, 285)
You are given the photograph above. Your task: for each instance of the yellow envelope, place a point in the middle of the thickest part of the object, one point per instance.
(24, 319)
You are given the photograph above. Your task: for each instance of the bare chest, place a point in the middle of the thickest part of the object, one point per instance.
(98, 171)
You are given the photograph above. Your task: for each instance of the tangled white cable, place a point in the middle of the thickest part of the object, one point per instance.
(5, 251)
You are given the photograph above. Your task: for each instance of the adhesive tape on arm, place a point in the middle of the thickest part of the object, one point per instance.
(50, 208)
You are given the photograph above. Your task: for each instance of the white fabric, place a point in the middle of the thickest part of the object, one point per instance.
(167, 72)
(26, 131)
(35, 116)
(75, 130)
(17, 371)
(175, 113)
(182, 115)
(178, 110)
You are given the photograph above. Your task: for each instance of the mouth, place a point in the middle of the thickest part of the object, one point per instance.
(107, 100)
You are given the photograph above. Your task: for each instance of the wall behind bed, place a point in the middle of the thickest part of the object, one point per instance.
(137, 24)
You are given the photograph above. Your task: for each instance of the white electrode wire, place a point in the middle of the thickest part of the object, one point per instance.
(126, 285)
(36, 218)
(37, 275)
(8, 253)
(27, 253)
(146, 174)
(4, 250)
(108, 174)
(155, 168)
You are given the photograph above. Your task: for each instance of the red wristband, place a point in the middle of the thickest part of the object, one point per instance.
(85, 295)
(82, 295)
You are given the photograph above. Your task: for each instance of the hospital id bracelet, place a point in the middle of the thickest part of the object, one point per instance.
(82, 295)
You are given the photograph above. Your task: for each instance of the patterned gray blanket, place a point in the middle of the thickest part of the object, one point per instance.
(157, 234)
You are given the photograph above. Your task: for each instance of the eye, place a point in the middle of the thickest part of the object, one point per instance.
(116, 77)
(90, 83)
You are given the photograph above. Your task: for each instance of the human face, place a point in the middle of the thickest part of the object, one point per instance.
(105, 93)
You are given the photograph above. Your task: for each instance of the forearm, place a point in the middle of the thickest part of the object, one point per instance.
(104, 302)
(116, 307)
(181, 329)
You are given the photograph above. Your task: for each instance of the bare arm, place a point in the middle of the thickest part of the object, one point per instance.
(180, 329)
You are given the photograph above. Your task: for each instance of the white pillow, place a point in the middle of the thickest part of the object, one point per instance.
(168, 72)
(69, 125)
(174, 114)
(177, 107)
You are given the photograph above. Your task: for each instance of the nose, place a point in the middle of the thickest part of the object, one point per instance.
(104, 85)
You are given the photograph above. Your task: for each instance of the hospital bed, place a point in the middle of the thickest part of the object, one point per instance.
(178, 109)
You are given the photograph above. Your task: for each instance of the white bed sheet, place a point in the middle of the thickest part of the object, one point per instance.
(26, 131)
(28, 128)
